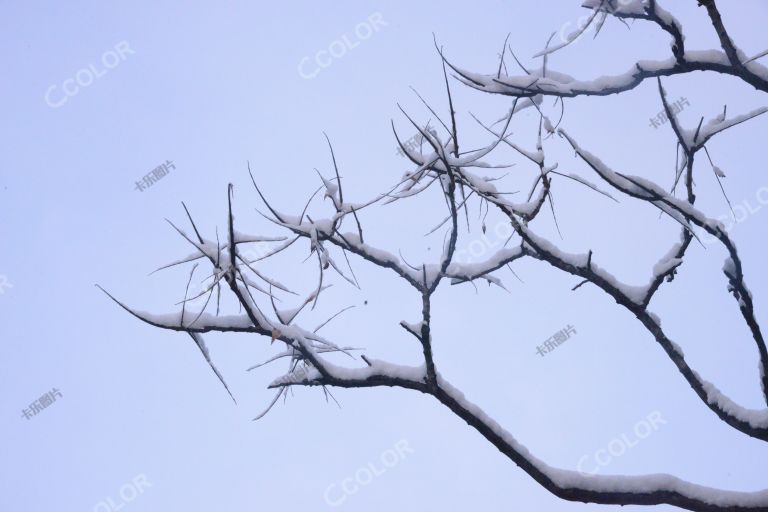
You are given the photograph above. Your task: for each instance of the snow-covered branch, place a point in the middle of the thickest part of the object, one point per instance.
(440, 167)
(547, 82)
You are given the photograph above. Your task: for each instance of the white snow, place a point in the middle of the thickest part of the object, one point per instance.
(757, 418)
(610, 483)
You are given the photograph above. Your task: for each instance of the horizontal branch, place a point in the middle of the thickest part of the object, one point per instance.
(570, 485)
(565, 86)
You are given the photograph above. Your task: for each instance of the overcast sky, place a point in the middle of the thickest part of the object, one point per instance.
(97, 95)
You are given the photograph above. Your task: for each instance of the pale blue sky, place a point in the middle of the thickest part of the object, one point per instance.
(211, 86)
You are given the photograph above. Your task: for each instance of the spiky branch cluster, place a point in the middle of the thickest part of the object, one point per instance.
(441, 165)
